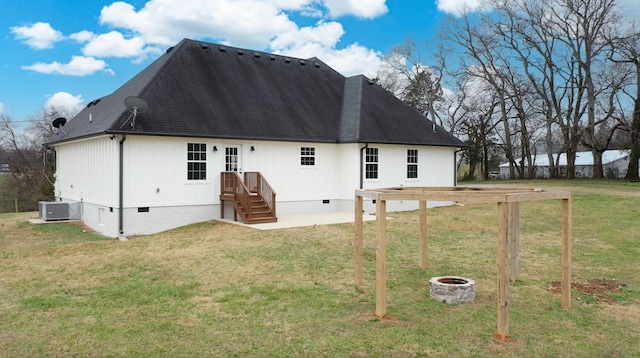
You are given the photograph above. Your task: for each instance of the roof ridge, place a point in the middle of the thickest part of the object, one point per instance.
(223, 47)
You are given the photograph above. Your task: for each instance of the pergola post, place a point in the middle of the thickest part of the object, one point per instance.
(358, 239)
(381, 258)
(515, 240)
(503, 274)
(423, 234)
(566, 252)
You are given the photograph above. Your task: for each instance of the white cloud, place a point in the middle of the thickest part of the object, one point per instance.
(1, 108)
(251, 24)
(39, 35)
(82, 36)
(65, 102)
(324, 34)
(354, 60)
(78, 66)
(320, 41)
(367, 9)
(113, 44)
(248, 23)
(459, 7)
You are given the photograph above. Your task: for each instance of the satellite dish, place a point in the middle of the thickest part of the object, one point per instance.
(59, 122)
(136, 105)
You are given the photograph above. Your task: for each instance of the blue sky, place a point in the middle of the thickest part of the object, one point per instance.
(67, 52)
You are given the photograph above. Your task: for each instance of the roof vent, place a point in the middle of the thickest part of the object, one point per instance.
(256, 54)
(93, 103)
(169, 49)
(287, 59)
(302, 62)
(222, 49)
(272, 57)
(240, 52)
(204, 46)
(317, 64)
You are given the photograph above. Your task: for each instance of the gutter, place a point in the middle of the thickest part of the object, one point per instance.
(121, 236)
(362, 164)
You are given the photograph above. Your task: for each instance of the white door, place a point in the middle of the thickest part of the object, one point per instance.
(233, 159)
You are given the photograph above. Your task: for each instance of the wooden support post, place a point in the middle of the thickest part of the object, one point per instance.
(515, 240)
(381, 258)
(358, 239)
(423, 234)
(566, 253)
(503, 274)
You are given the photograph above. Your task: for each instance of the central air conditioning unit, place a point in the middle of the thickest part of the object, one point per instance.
(54, 210)
(60, 210)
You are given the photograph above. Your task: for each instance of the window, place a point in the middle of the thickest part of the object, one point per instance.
(196, 161)
(307, 156)
(412, 163)
(371, 163)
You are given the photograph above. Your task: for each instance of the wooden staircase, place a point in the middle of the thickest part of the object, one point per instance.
(253, 198)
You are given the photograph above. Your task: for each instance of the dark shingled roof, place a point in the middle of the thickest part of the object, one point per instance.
(205, 90)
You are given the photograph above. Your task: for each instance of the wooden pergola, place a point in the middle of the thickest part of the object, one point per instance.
(507, 199)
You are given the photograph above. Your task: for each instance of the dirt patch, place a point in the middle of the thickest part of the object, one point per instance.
(598, 290)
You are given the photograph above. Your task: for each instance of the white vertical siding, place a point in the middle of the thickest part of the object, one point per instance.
(155, 177)
(435, 167)
(155, 172)
(279, 162)
(88, 171)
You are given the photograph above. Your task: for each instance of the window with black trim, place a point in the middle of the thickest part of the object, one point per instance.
(371, 163)
(196, 161)
(307, 156)
(412, 163)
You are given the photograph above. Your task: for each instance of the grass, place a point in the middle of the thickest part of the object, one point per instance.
(214, 289)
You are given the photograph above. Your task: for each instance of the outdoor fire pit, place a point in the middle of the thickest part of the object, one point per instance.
(452, 289)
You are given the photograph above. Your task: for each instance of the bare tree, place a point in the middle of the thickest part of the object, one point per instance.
(479, 125)
(407, 76)
(481, 47)
(559, 47)
(583, 27)
(626, 50)
(31, 165)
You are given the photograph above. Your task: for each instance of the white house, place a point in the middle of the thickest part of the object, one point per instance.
(614, 164)
(162, 151)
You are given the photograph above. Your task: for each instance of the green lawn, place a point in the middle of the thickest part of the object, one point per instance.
(215, 289)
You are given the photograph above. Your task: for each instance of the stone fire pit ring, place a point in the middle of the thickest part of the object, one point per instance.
(452, 289)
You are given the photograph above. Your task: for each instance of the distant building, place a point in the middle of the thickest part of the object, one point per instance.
(4, 167)
(614, 165)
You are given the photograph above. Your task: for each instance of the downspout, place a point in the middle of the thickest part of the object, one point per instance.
(455, 166)
(362, 164)
(121, 191)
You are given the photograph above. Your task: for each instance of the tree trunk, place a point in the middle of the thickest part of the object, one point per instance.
(632, 169)
(634, 156)
(598, 172)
